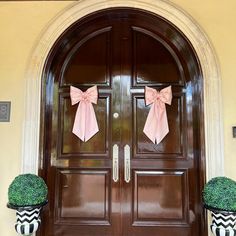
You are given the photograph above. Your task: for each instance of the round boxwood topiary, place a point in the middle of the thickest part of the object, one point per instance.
(27, 190)
(220, 193)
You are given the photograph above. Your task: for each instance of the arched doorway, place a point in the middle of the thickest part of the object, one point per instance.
(122, 51)
(31, 160)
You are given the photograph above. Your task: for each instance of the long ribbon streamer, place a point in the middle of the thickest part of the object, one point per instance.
(156, 126)
(85, 123)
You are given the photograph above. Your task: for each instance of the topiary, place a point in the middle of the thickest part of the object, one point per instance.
(27, 190)
(220, 193)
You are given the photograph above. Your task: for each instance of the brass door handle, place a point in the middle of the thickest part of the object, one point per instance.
(115, 163)
(127, 163)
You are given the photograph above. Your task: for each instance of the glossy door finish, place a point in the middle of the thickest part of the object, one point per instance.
(151, 189)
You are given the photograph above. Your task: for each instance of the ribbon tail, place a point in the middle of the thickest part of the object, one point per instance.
(150, 124)
(162, 125)
(156, 126)
(80, 120)
(91, 125)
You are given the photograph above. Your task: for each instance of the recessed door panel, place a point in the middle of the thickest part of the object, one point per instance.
(159, 196)
(83, 196)
(70, 143)
(151, 68)
(89, 58)
(172, 145)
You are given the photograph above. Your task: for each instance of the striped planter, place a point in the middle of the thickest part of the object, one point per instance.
(27, 218)
(223, 224)
(27, 221)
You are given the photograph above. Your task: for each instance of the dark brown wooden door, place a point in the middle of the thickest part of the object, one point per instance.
(122, 51)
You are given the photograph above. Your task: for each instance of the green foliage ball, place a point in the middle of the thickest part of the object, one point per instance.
(220, 193)
(26, 190)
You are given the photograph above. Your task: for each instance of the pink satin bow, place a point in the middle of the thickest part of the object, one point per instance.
(85, 124)
(156, 126)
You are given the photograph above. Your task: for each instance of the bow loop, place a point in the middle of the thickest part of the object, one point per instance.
(156, 126)
(152, 95)
(90, 95)
(75, 95)
(166, 95)
(85, 124)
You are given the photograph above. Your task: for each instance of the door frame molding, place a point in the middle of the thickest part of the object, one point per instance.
(213, 125)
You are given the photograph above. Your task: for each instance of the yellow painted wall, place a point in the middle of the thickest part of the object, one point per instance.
(20, 26)
(217, 19)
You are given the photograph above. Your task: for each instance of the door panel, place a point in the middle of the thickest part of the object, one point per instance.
(151, 68)
(89, 57)
(69, 143)
(172, 145)
(159, 196)
(88, 208)
(121, 51)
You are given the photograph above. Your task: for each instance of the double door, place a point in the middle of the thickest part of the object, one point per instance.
(119, 183)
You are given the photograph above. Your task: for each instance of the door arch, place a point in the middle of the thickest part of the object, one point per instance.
(202, 46)
(207, 58)
(122, 50)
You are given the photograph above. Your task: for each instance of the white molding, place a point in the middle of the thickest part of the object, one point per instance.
(206, 54)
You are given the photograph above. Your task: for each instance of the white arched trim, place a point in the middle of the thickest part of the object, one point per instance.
(206, 54)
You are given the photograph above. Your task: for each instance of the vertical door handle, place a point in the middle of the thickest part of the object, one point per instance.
(115, 162)
(127, 163)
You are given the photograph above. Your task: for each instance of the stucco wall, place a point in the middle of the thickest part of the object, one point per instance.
(217, 19)
(21, 24)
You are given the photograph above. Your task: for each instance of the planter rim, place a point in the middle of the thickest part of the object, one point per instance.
(217, 210)
(26, 207)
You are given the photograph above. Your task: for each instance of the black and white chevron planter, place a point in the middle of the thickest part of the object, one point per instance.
(27, 218)
(27, 221)
(223, 224)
